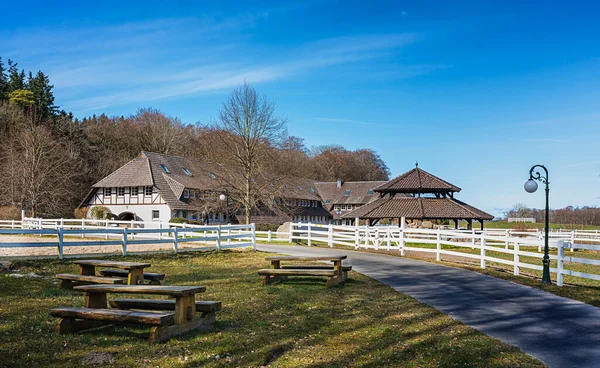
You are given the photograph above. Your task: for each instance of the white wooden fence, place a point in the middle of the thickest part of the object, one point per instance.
(472, 244)
(124, 233)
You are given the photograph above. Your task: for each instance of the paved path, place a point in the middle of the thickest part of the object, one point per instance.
(559, 331)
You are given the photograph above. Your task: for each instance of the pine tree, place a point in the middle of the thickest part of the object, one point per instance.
(3, 82)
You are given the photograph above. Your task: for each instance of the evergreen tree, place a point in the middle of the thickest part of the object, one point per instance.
(3, 82)
(42, 93)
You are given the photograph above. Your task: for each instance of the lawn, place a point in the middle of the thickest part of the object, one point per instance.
(534, 225)
(299, 323)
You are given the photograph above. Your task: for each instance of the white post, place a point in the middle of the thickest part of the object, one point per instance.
(356, 237)
(438, 244)
(132, 226)
(106, 226)
(40, 226)
(505, 239)
(204, 236)
(402, 230)
(472, 239)
(482, 250)
(60, 243)
(82, 228)
(12, 224)
(160, 226)
(176, 239)
(125, 241)
(269, 236)
(291, 232)
(560, 260)
(516, 258)
(330, 236)
(572, 240)
(218, 237)
(308, 235)
(377, 242)
(228, 236)
(253, 236)
(389, 238)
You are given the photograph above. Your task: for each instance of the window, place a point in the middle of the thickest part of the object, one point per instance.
(328, 201)
(299, 187)
(343, 207)
(134, 191)
(155, 215)
(192, 194)
(187, 172)
(165, 169)
(186, 194)
(120, 192)
(107, 192)
(212, 175)
(148, 191)
(370, 192)
(347, 192)
(311, 189)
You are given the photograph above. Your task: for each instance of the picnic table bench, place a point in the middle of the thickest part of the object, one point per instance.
(164, 323)
(133, 272)
(335, 274)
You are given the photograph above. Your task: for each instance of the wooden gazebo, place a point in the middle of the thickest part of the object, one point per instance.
(418, 195)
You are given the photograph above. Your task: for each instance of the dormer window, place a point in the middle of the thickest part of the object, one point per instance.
(347, 193)
(212, 175)
(327, 201)
(311, 189)
(148, 191)
(165, 169)
(186, 194)
(186, 171)
(370, 192)
(299, 187)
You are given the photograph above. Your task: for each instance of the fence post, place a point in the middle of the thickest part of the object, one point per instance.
(330, 235)
(473, 239)
(176, 239)
(291, 231)
(572, 239)
(253, 236)
(389, 238)
(40, 226)
(308, 235)
(402, 230)
(228, 236)
(482, 250)
(516, 258)
(438, 245)
(60, 243)
(505, 239)
(560, 260)
(82, 228)
(124, 241)
(269, 236)
(218, 237)
(160, 226)
(106, 226)
(132, 226)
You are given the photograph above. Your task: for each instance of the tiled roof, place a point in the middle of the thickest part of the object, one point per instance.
(134, 173)
(417, 180)
(418, 208)
(359, 192)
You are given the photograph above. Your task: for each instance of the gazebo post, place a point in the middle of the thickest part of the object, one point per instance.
(456, 224)
(481, 221)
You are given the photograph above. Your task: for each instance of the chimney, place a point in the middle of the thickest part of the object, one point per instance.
(339, 183)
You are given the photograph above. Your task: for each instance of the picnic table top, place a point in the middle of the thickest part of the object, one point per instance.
(105, 263)
(306, 258)
(142, 289)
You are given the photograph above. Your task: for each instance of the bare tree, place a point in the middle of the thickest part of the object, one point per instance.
(253, 132)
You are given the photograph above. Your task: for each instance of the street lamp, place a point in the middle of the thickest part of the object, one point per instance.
(530, 187)
(225, 197)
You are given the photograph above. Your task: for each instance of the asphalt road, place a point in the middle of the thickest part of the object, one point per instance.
(559, 331)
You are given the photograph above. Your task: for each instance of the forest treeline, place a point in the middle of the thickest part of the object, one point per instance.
(49, 159)
(586, 215)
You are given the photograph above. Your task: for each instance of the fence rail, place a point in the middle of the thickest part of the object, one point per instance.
(125, 233)
(498, 246)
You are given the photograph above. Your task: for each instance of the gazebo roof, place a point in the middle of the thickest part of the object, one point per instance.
(418, 208)
(417, 181)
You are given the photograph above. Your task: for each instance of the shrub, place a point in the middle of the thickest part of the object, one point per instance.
(9, 213)
(267, 227)
(81, 212)
(100, 213)
(179, 220)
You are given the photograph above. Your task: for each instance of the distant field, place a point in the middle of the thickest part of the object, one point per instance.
(535, 225)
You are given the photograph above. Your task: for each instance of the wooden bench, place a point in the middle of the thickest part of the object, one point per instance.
(202, 306)
(335, 274)
(163, 325)
(155, 278)
(68, 280)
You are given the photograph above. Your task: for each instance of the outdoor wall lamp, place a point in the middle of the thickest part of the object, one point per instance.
(530, 187)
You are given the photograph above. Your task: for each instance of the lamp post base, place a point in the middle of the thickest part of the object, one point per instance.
(546, 272)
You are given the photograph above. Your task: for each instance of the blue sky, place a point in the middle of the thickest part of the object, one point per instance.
(476, 92)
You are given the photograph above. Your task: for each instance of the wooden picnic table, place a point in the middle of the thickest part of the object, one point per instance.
(135, 270)
(164, 325)
(336, 274)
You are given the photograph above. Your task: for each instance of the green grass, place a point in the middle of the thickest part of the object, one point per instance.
(299, 323)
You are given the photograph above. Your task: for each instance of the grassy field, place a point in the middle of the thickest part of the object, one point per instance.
(299, 323)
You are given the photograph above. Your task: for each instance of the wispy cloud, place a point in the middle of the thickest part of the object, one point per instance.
(546, 140)
(103, 66)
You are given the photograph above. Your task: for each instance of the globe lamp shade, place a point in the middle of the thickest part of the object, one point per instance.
(530, 186)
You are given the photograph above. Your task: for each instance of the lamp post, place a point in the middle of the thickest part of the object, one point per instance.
(225, 197)
(530, 187)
